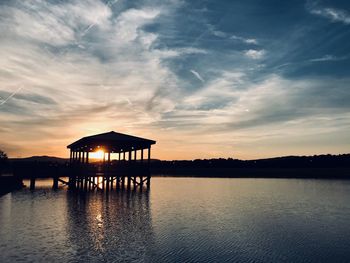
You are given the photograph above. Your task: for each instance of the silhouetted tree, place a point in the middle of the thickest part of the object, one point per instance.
(3, 160)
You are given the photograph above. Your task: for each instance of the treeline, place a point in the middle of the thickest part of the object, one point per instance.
(316, 161)
(317, 166)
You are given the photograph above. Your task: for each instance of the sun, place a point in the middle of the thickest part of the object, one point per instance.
(98, 154)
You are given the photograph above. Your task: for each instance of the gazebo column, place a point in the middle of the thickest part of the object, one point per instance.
(129, 169)
(148, 168)
(72, 175)
(117, 171)
(135, 167)
(108, 175)
(141, 165)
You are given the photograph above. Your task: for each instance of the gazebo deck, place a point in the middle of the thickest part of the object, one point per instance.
(131, 165)
(127, 167)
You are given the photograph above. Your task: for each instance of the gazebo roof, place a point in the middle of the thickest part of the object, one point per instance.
(113, 141)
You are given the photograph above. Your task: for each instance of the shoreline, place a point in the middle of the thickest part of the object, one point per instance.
(292, 173)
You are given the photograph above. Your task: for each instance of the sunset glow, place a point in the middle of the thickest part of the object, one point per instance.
(230, 85)
(97, 155)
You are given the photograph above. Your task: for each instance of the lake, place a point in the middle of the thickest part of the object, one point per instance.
(181, 220)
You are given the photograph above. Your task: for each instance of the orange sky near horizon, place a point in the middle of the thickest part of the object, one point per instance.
(185, 148)
(235, 83)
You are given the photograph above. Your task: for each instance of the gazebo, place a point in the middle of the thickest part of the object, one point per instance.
(125, 165)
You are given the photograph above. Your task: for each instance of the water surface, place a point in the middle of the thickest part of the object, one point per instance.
(181, 220)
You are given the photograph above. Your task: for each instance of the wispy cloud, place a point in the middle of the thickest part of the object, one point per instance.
(197, 75)
(328, 58)
(3, 101)
(333, 14)
(221, 34)
(255, 54)
(158, 69)
(245, 40)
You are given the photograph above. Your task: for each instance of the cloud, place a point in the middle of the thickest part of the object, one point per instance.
(328, 58)
(255, 54)
(56, 24)
(42, 53)
(333, 14)
(197, 75)
(131, 20)
(8, 96)
(94, 66)
(245, 40)
(221, 34)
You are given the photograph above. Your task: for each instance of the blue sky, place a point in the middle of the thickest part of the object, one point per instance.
(244, 79)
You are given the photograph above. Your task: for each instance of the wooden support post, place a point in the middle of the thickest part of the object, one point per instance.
(87, 157)
(135, 182)
(85, 183)
(123, 182)
(55, 183)
(32, 183)
(118, 182)
(107, 183)
(141, 165)
(129, 169)
(141, 181)
(148, 168)
(73, 184)
(129, 181)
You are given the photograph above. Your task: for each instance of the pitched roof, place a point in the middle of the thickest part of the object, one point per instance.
(111, 139)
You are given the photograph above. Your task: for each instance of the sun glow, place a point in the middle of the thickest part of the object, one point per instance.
(97, 155)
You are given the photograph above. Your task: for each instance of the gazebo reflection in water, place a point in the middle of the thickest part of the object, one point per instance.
(130, 165)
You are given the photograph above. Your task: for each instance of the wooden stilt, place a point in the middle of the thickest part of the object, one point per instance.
(85, 183)
(148, 167)
(123, 182)
(32, 183)
(55, 183)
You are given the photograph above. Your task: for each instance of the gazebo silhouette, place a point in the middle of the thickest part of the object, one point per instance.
(87, 175)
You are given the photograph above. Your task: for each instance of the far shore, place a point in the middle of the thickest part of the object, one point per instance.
(300, 173)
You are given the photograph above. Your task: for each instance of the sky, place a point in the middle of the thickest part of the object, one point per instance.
(205, 79)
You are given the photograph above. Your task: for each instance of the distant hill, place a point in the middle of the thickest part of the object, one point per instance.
(317, 166)
(43, 158)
